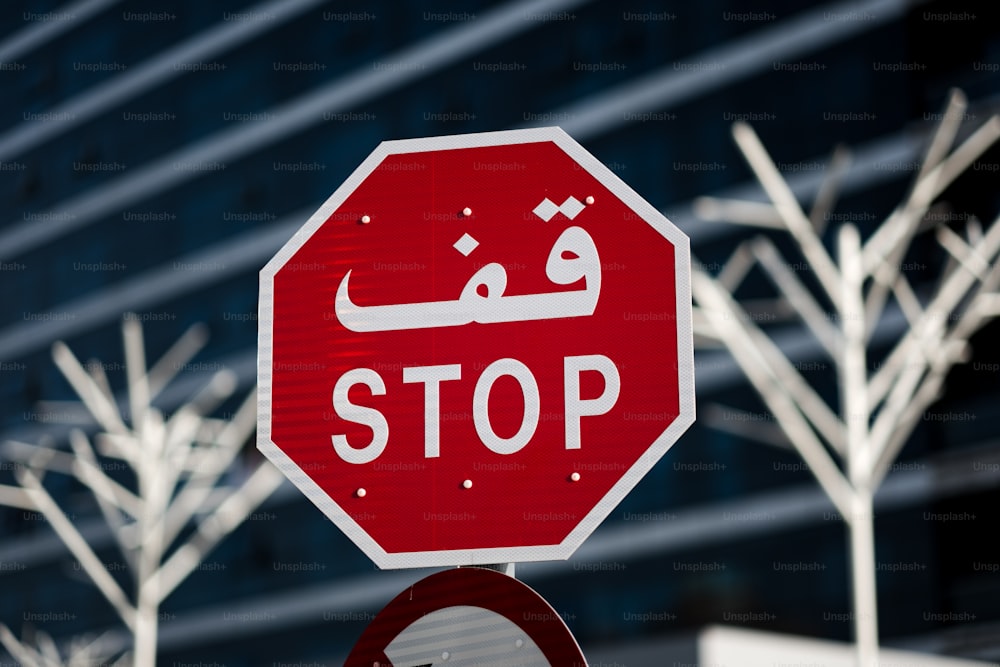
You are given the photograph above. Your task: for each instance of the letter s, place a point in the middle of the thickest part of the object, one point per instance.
(360, 414)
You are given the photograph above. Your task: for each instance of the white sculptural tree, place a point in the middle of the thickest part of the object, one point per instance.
(180, 505)
(42, 651)
(878, 408)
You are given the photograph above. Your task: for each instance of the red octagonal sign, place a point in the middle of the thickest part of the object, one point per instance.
(475, 348)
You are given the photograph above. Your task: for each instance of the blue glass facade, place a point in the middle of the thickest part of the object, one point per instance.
(153, 158)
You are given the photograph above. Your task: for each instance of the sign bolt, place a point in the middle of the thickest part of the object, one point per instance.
(575, 477)
(365, 219)
(588, 201)
(467, 484)
(361, 493)
(466, 211)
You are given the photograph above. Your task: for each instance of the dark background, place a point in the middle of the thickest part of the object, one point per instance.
(151, 166)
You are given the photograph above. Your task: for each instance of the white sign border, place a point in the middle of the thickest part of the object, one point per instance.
(685, 354)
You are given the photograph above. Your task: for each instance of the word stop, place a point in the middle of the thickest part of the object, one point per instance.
(431, 377)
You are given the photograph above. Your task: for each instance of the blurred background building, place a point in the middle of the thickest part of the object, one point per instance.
(154, 155)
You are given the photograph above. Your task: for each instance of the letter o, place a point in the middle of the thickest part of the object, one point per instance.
(481, 399)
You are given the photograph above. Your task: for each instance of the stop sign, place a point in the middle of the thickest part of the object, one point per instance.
(475, 348)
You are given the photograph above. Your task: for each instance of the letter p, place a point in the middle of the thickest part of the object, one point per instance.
(577, 407)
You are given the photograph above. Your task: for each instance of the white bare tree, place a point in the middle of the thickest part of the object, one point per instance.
(41, 651)
(878, 408)
(179, 463)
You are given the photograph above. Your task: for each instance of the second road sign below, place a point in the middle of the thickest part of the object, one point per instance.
(475, 348)
(465, 617)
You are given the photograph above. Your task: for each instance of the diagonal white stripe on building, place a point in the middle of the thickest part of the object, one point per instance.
(34, 36)
(397, 69)
(146, 75)
(718, 67)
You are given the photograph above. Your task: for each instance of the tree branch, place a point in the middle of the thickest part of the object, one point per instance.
(173, 360)
(104, 410)
(852, 363)
(828, 189)
(810, 312)
(788, 208)
(15, 496)
(230, 514)
(135, 371)
(24, 655)
(78, 547)
(739, 212)
(774, 393)
(101, 486)
(951, 292)
(86, 471)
